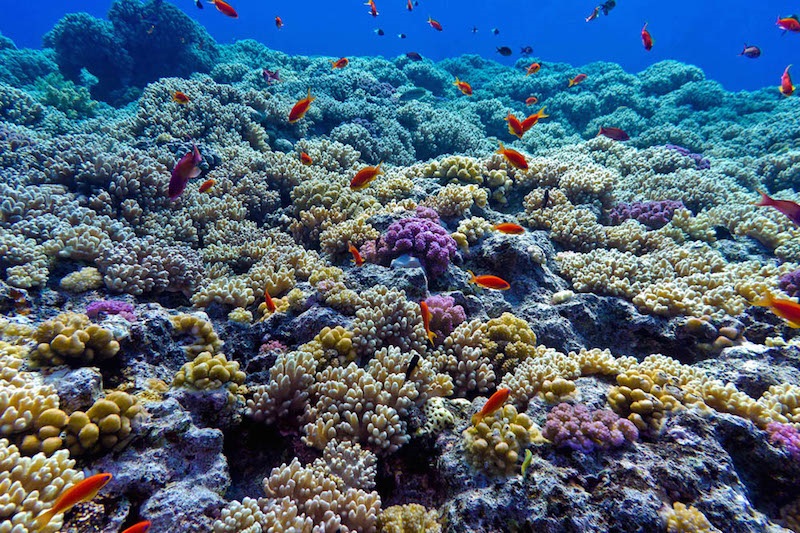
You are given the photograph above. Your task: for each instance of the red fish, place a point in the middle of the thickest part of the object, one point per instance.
(278, 22)
(82, 492)
(207, 185)
(531, 100)
(533, 68)
(514, 126)
(577, 79)
(301, 107)
(790, 23)
(515, 158)
(269, 302)
(489, 282)
(357, 259)
(594, 14)
(306, 159)
(139, 527)
(185, 168)
(789, 310)
(613, 133)
(787, 207)
(786, 88)
(509, 228)
(531, 120)
(494, 403)
(373, 10)
(364, 177)
(225, 8)
(180, 97)
(647, 39)
(435, 24)
(426, 320)
(339, 63)
(463, 86)
(409, 6)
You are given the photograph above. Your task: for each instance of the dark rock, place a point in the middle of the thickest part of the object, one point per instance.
(77, 389)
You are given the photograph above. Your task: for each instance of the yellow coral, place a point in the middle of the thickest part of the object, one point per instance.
(201, 333)
(683, 519)
(409, 518)
(72, 338)
(494, 445)
(209, 372)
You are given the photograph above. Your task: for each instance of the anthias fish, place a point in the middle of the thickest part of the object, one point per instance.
(787, 207)
(515, 159)
(426, 320)
(577, 79)
(463, 86)
(790, 23)
(786, 88)
(788, 310)
(207, 185)
(339, 63)
(514, 126)
(180, 97)
(531, 120)
(139, 527)
(186, 168)
(357, 259)
(647, 39)
(269, 302)
(434, 24)
(509, 228)
(489, 282)
(533, 68)
(613, 133)
(82, 492)
(364, 177)
(225, 8)
(305, 159)
(299, 109)
(494, 403)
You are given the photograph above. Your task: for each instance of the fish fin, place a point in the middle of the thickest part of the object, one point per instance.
(476, 419)
(44, 519)
(541, 113)
(431, 336)
(471, 274)
(195, 172)
(765, 200)
(499, 151)
(764, 301)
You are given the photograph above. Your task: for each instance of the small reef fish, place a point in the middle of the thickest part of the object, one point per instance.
(509, 228)
(787, 207)
(278, 22)
(474, 30)
(186, 167)
(301, 107)
(409, 5)
(750, 51)
(514, 126)
(516, 159)
(463, 86)
(225, 8)
(357, 259)
(21, 304)
(545, 198)
(788, 310)
(207, 185)
(413, 56)
(435, 24)
(373, 9)
(531, 100)
(790, 23)
(494, 403)
(647, 39)
(577, 79)
(786, 88)
(504, 51)
(139, 527)
(270, 76)
(532, 120)
(613, 133)
(180, 97)
(269, 302)
(339, 63)
(412, 94)
(533, 68)
(379, 32)
(82, 492)
(426, 320)
(199, 4)
(489, 282)
(527, 462)
(526, 50)
(401, 35)
(412, 365)
(306, 159)
(594, 14)
(495, 31)
(365, 176)
(606, 7)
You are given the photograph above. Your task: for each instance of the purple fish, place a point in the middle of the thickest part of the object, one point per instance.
(613, 133)
(185, 168)
(270, 76)
(751, 51)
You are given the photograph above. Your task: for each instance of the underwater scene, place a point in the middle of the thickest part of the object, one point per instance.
(399, 266)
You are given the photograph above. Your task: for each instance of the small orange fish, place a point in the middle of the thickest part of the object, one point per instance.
(207, 185)
(278, 22)
(357, 259)
(365, 176)
(531, 100)
(647, 39)
(533, 69)
(426, 320)
(463, 86)
(786, 88)
(788, 310)
(577, 79)
(514, 126)
(509, 228)
(494, 403)
(791, 24)
(787, 207)
(434, 24)
(306, 159)
(180, 98)
(271, 307)
(301, 107)
(515, 158)
(139, 527)
(489, 282)
(225, 8)
(82, 492)
(373, 9)
(531, 120)
(339, 63)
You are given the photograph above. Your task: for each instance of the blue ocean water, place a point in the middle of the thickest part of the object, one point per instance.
(708, 34)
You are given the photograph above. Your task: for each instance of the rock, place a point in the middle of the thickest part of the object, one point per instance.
(77, 389)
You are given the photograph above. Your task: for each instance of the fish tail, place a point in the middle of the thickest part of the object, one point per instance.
(499, 151)
(431, 336)
(571, 83)
(476, 419)
(541, 113)
(471, 274)
(45, 519)
(765, 200)
(764, 301)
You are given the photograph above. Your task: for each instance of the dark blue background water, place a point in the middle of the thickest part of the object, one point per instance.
(708, 33)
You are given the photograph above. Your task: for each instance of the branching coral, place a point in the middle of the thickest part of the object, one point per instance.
(578, 428)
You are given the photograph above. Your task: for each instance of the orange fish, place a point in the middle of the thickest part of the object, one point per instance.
(434, 24)
(301, 107)
(786, 88)
(515, 158)
(788, 310)
(577, 79)
(463, 86)
(533, 69)
(365, 176)
(278, 22)
(180, 98)
(306, 159)
(509, 228)
(489, 282)
(139, 527)
(373, 10)
(787, 207)
(647, 39)
(514, 126)
(357, 259)
(271, 307)
(426, 320)
(494, 403)
(339, 63)
(791, 24)
(225, 8)
(207, 185)
(82, 492)
(531, 100)
(531, 120)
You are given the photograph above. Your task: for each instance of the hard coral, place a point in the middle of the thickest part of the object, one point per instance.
(445, 315)
(786, 436)
(422, 238)
(496, 443)
(72, 338)
(653, 214)
(578, 428)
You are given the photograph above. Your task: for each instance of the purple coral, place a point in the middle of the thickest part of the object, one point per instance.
(790, 283)
(111, 307)
(653, 214)
(422, 238)
(578, 428)
(700, 162)
(445, 316)
(786, 436)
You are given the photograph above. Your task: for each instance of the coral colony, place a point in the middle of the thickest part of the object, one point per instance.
(228, 364)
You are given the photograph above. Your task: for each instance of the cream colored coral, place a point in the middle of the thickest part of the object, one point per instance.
(240, 315)
(438, 416)
(455, 168)
(199, 331)
(474, 229)
(234, 291)
(387, 318)
(409, 518)
(457, 200)
(22, 405)
(71, 337)
(85, 279)
(287, 393)
(462, 356)
(509, 340)
(357, 231)
(547, 373)
(107, 425)
(495, 444)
